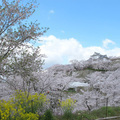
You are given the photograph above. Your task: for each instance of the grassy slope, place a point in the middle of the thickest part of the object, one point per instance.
(100, 113)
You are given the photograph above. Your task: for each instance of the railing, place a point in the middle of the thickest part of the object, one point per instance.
(109, 118)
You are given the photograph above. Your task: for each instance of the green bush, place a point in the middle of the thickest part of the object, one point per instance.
(67, 114)
(67, 107)
(48, 115)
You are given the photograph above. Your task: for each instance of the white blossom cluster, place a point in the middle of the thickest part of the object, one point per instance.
(103, 76)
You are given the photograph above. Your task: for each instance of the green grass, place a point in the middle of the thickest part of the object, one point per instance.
(71, 90)
(102, 70)
(100, 113)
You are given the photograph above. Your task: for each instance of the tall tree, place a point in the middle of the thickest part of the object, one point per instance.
(17, 57)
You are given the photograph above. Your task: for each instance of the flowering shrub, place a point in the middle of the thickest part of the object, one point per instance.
(67, 104)
(7, 110)
(28, 116)
(22, 107)
(67, 107)
(32, 103)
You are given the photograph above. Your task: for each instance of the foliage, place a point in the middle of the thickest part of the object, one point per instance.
(22, 107)
(100, 113)
(67, 104)
(48, 115)
(111, 111)
(17, 56)
(32, 103)
(67, 107)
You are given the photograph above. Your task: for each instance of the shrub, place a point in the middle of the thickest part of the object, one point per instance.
(48, 115)
(7, 110)
(32, 103)
(22, 107)
(67, 107)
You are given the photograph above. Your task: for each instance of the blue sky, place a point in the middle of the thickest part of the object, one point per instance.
(78, 28)
(93, 25)
(88, 21)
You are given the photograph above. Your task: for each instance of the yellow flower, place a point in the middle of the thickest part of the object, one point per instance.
(67, 104)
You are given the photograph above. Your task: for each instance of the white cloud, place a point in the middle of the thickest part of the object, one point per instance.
(51, 11)
(61, 51)
(106, 42)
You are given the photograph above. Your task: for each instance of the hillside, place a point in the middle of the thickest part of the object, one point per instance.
(100, 72)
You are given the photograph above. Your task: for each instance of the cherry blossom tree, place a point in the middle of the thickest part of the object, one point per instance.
(17, 57)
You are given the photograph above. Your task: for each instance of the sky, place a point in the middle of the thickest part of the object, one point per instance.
(78, 28)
